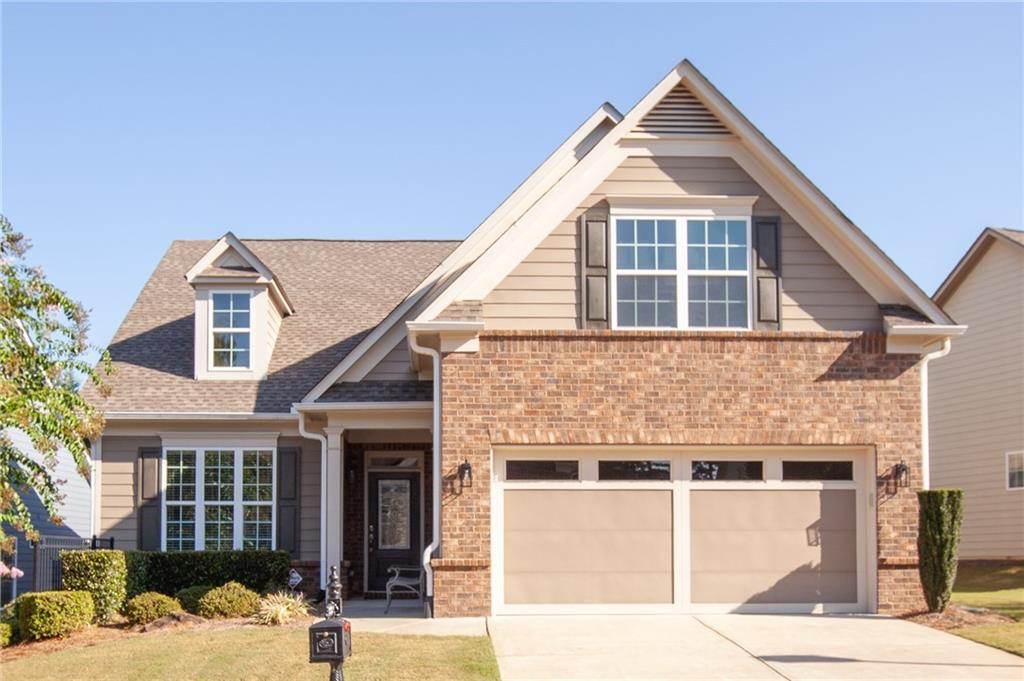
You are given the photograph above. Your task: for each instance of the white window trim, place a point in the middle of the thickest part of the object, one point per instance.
(216, 329)
(682, 269)
(200, 503)
(1019, 453)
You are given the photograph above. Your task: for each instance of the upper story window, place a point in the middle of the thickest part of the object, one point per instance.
(231, 331)
(707, 288)
(1015, 470)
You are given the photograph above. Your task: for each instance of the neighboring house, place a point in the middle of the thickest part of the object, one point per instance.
(666, 374)
(75, 514)
(977, 396)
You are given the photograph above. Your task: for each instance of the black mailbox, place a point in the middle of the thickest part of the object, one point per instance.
(330, 640)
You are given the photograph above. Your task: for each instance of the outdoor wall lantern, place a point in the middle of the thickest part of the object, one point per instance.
(330, 639)
(901, 472)
(465, 472)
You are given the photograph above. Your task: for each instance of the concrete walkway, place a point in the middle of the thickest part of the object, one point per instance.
(406, 617)
(796, 647)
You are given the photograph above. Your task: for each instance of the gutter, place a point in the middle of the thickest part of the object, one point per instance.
(323, 494)
(435, 540)
(925, 443)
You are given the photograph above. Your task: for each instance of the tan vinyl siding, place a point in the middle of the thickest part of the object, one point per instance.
(309, 496)
(273, 326)
(817, 294)
(395, 366)
(117, 487)
(977, 403)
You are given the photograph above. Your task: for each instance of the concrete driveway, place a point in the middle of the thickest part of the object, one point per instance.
(734, 647)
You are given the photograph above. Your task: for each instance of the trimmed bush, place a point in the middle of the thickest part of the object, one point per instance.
(101, 573)
(137, 565)
(169, 573)
(150, 606)
(46, 614)
(6, 634)
(230, 600)
(189, 598)
(280, 608)
(9, 618)
(940, 512)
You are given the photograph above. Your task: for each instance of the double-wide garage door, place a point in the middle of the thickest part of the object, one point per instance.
(615, 531)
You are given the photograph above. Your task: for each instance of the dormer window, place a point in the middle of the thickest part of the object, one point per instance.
(230, 330)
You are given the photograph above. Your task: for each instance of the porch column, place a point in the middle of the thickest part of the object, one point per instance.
(334, 500)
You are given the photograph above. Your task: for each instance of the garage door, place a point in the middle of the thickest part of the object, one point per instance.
(685, 531)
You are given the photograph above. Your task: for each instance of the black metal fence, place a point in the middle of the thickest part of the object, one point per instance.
(46, 558)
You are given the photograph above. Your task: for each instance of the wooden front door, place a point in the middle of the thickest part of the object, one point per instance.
(392, 525)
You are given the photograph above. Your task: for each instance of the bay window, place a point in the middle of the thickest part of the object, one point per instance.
(703, 282)
(219, 499)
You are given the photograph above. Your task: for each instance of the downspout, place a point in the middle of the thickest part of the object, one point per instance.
(925, 463)
(323, 494)
(435, 539)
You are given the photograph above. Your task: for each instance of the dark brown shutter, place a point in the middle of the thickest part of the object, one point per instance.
(148, 488)
(594, 263)
(767, 273)
(288, 470)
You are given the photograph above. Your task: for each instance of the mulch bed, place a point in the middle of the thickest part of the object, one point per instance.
(957, 617)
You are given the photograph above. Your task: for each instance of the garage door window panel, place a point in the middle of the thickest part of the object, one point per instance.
(634, 470)
(542, 470)
(702, 469)
(817, 470)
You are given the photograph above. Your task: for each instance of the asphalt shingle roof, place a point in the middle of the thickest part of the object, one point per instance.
(340, 290)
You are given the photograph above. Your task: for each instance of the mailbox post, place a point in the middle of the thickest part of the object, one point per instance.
(330, 639)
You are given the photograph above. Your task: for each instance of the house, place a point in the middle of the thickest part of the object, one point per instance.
(666, 374)
(74, 528)
(977, 396)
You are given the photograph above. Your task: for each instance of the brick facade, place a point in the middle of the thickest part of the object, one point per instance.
(685, 388)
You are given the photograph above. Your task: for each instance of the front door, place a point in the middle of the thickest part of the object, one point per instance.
(392, 525)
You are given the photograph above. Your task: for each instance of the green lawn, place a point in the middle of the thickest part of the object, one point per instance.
(999, 588)
(251, 653)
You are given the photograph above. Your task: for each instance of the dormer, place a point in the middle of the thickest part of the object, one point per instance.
(239, 306)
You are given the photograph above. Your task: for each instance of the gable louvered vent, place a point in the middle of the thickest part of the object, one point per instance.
(680, 113)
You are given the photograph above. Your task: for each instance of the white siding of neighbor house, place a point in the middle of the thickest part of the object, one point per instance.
(817, 294)
(977, 403)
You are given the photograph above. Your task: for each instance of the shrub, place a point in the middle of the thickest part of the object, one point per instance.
(169, 573)
(101, 573)
(938, 540)
(45, 614)
(189, 598)
(280, 608)
(137, 566)
(230, 600)
(6, 634)
(150, 606)
(9, 619)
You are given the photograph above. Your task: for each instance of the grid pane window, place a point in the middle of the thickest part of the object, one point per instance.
(181, 528)
(231, 319)
(219, 527)
(257, 526)
(716, 245)
(219, 475)
(645, 244)
(646, 301)
(718, 302)
(181, 475)
(257, 475)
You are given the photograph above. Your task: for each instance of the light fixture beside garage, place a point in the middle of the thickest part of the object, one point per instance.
(465, 473)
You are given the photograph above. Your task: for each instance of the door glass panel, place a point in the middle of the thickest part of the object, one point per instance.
(393, 509)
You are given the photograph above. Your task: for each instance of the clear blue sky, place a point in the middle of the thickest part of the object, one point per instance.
(126, 126)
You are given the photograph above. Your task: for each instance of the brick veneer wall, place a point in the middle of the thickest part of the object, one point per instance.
(712, 388)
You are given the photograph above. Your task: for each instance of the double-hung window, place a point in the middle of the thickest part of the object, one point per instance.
(230, 330)
(219, 499)
(1015, 470)
(676, 272)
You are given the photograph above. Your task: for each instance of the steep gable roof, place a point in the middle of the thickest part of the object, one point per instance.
(684, 108)
(341, 290)
(973, 256)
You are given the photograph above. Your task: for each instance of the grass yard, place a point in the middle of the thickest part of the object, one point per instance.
(255, 653)
(999, 588)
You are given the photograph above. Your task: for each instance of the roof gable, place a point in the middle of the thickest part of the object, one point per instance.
(679, 112)
(972, 257)
(231, 260)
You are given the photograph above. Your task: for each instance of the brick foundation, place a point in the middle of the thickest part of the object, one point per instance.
(674, 388)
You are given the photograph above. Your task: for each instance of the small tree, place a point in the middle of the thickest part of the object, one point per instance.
(43, 350)
(938, 541)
